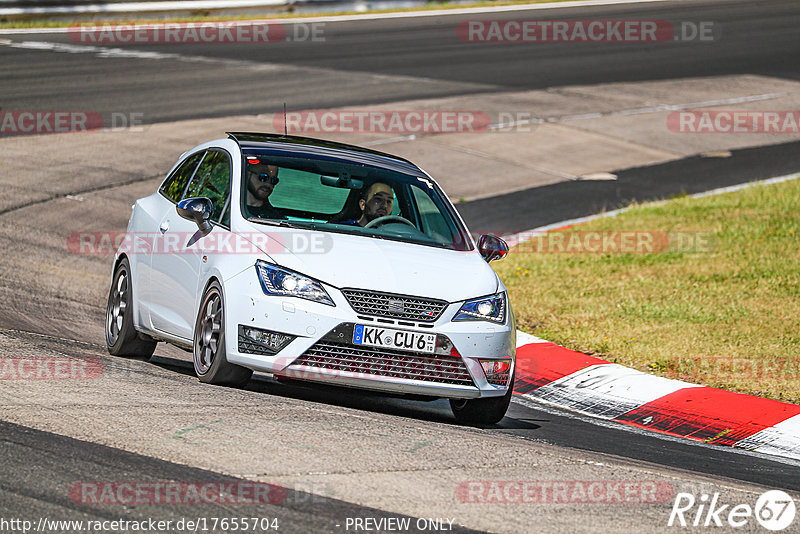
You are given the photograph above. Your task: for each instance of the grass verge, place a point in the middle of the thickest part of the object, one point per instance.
(719, 306)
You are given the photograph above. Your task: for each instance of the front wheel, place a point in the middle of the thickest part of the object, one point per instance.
(482, 411)
(210, 363)
(121, 336)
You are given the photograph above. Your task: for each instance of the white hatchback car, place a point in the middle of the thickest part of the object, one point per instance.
(316, 261)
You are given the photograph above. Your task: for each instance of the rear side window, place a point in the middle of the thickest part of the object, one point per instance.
(213, 181)
(175, 185)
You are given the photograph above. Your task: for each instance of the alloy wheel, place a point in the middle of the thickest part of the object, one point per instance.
(210, 332)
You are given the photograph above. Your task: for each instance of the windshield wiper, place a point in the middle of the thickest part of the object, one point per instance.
(284, 223)
(273, 222)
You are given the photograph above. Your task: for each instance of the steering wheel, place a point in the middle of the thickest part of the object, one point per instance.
(386, 219)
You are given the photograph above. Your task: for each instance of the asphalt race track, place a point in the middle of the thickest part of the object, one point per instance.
(566, 200)
(341, 454)
(389, 60)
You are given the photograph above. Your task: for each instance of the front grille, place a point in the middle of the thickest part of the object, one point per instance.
(273, 344)
(247, 346)
(499, 379)
(394, 306)
(375, 361)
(336, 352)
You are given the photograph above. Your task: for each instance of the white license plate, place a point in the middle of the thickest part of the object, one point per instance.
(376, 336)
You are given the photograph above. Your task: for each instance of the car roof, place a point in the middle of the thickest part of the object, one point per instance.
(290, 145)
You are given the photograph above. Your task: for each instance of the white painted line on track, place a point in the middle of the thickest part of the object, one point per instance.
(701, 104)
(739, 187)
(108, 52)
(379, 142)
(372, 16)
(129, 53)
(471, 10)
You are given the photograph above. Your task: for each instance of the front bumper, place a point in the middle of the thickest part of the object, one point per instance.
(322, 348)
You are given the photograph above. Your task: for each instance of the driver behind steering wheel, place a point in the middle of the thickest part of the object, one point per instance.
(375, 202)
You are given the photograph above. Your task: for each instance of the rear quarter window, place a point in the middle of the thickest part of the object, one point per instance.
(213, 181)
(175, 185)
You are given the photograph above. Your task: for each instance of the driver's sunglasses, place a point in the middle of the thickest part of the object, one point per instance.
(266, 177)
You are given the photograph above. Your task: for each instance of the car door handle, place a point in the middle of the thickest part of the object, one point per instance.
(164, 226)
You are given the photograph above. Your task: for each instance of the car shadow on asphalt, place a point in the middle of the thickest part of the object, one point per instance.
(437, 411)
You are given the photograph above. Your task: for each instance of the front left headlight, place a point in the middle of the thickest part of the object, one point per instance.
(278, 281)
(491, 308)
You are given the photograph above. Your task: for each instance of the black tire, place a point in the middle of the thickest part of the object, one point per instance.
(122, 339)
(210, 363)
(482, 412)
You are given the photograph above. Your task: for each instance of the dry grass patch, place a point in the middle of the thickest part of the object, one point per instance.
(727, 317)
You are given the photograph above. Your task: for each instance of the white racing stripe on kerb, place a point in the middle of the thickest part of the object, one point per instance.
(527, 339)
(606, 390)
(782, 439)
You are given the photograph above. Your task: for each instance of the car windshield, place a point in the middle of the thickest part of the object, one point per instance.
(348, 198)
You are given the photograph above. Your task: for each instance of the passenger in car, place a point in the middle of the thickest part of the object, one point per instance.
(261, 181)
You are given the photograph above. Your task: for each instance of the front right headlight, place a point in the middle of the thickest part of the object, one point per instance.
(283, 282)
(491, 308)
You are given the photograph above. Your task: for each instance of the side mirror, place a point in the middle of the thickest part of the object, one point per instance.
(198, 210)
(492, 247)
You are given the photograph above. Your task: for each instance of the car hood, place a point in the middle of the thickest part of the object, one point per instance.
(350, 261)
